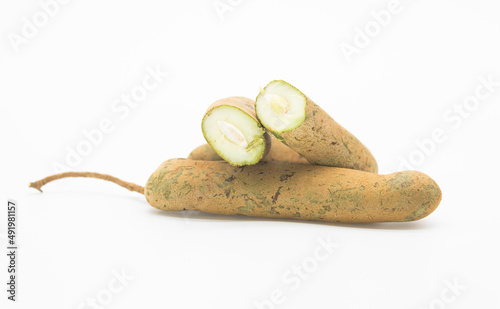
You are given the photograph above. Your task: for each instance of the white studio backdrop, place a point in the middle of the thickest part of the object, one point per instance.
(118, 87)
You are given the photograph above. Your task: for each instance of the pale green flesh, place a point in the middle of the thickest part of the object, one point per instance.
(280, 107)
(234, 135)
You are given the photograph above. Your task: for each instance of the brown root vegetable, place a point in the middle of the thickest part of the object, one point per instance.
(283, 190)
(278, 152)
(296, 191)
(306, 128)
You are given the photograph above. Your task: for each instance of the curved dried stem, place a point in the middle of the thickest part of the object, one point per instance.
(128, 185)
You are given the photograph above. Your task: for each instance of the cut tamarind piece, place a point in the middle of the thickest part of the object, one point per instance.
(302, 125)
(231, 128)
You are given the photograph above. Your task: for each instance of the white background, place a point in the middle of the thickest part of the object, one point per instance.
(394, 93)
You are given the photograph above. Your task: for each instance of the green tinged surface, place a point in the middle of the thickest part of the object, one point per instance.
(284, 190)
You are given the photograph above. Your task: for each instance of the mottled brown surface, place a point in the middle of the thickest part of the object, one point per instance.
(321, 140)
(247, 106)
(287, 190)
(282, 153)
(278, 152)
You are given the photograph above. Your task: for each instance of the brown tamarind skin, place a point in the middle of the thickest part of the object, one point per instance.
(323, 141)
(277, 152)
(294, 191)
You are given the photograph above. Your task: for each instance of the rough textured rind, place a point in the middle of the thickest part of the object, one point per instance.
(287, 190)
(277, 152)
(321, 140)
(247, 106)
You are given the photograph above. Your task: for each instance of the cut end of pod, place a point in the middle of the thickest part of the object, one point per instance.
(235, 135)
(280, 107)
